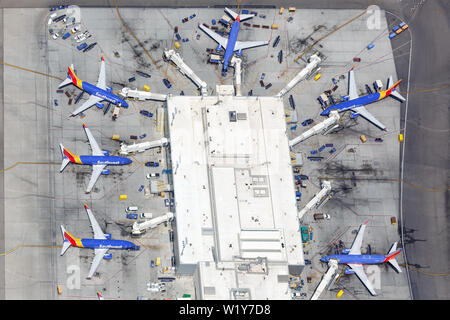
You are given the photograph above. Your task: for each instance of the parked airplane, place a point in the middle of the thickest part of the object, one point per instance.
(231, 44)
(98, 93)
(356, 104)
(355, 260)
(98, 160)
(101, 243)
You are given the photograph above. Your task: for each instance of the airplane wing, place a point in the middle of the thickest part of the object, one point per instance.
(357, 243)
(352, 91)
(96, 172)
(99, 253)
(240, 45)
(369, 117)
(98, 233)
(359, 271)
(101, 82)
(96, 151)
(89, 103)
(220, 40)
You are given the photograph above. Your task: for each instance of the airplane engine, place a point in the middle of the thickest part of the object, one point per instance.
(105, 172)
(219, 47)
(345, 251)
(108, 235)
(349, 271)
(107, 256)
(239, 52)
(99, 105)
(354, 115)
(108, 89)
(106, 153)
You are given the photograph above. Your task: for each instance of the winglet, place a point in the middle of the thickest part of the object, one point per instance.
(103, 59)
(84, 126)
(365, 223)
(85, 206)
(352, 68)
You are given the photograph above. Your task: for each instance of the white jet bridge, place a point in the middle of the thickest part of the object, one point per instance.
(141, 227)
(325, 126)
(141, 147)
(184, 69)
(236, 63)
(317, 199)
(332, 267)
(142, 95)
(313, 62)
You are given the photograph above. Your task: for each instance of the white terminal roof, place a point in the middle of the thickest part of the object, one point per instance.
(234, 195)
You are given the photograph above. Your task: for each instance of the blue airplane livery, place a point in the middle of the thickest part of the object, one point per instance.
(356, 103)
(231, 44)
(101, 243)
(97, 93)
(355, 260)
(98, 160)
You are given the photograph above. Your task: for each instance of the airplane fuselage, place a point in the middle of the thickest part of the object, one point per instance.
(360, 101)
(104, 244)
(229, 50)
(103, 94)
(102, 160)
(356, 258)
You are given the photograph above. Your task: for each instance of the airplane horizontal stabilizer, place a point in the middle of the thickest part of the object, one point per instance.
(394, 93)
(66, 243)
(65, 159)
(393, 252)
(66, 81)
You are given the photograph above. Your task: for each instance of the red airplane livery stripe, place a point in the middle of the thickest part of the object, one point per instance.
(69, 155)
(71, 240)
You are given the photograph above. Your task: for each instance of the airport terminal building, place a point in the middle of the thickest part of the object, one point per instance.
(237, 230)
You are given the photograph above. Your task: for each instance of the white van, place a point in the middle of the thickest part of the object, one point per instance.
(131, 209)
(146, 215)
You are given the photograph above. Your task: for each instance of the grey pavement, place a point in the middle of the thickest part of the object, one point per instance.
(40, 184)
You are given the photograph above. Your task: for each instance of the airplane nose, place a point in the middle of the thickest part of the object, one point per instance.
(324, 260)
(129, 161)
(325, 113)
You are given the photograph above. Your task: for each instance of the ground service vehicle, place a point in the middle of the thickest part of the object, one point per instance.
(321, 216)
(304, 233)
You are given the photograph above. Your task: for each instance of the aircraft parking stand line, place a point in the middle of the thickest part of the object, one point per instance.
(55, 198)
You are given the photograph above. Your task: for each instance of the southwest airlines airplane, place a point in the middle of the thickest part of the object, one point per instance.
(231, 44)
(356, 103)
(98, 93)
(355, 260)
(98, 160)
(101, 243)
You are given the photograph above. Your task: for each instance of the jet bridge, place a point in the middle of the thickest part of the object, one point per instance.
(141, 147)
(184, 69)
(317, 199)
(141, 227)
(325, 126)
(142, 95)
(313, 62)
(236, 63)
(332, 267)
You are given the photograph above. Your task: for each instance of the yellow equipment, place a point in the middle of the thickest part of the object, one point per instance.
(146, 88)
(123, 197)
(317, 77)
